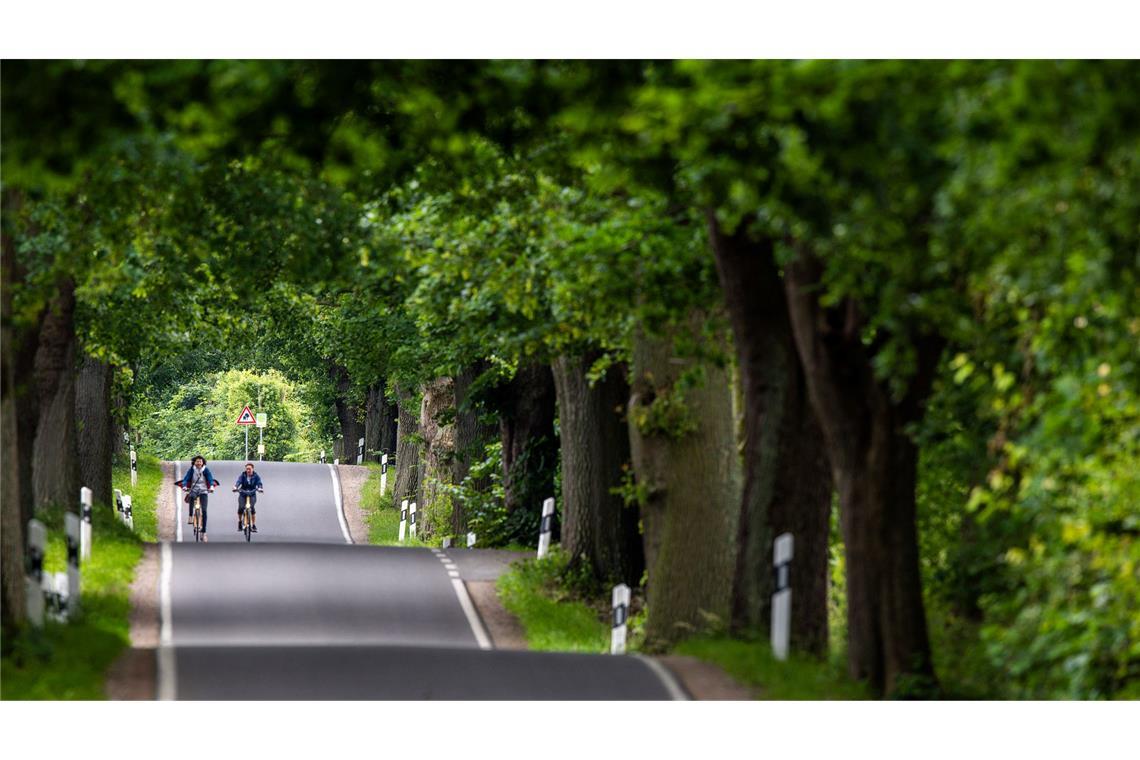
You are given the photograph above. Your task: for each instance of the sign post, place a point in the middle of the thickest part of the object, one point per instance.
(383, 473)
(262, 419)
(33, 579)
(134, 467)
(246, 419)
(85, 502)
(545, 527)
(620, 619)
(782, 599)
(403, 519)
(360, 451)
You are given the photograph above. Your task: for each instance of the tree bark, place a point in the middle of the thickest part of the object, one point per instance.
(472, 430)
(874, 464)
(787, 479)
(599, 530)
(93, 424)
(437, 511)
(409, 450)
(348, 415)
(688, 472)
(526, 408)
(55, 470)
(11, 518)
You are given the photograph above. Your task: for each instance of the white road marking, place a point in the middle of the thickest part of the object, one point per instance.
(452, 574)
(167, 667)
(472, 618)
(178, 500)
(339, 507)
(667, 679)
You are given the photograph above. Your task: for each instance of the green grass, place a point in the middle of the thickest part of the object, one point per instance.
(381, 514)
(752, 664)
(552, 619)
(70, 660)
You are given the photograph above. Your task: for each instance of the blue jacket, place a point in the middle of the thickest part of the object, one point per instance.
(247, 485)
(208, 476)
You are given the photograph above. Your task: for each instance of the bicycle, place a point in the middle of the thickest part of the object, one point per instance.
(247, 516)
(198, 518)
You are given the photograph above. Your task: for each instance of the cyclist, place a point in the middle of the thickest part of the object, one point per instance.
(248, 484)
(199, 483)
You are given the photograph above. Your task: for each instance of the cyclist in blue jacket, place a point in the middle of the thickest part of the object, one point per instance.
(199, 483)
(248, 484)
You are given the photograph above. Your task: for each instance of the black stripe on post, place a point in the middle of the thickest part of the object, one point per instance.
(547, 524)
(72, 552)
(783, 571)
(36, 564)
(621, 614)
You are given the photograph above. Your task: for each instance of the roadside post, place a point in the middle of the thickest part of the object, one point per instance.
(118, 507)
(620, 619)
(322, 456)
(34, 573)
(782, 552)
(85, 501)
(545, 527)
(71, 525)
(412, 524)
(262, 419)
(127, 515)
(383, 473)
(470, 540)
(134, 467)
(403, 519)
(446, 543)
(360, 451)
(245, 419)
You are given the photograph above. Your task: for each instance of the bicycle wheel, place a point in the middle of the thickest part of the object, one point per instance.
(197, 524)
(247, 520)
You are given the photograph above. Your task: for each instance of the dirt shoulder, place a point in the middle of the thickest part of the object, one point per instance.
(352, 478)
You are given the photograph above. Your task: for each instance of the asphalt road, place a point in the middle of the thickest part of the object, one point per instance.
(301, 613)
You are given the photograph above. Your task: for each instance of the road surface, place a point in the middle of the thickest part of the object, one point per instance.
(302, 613)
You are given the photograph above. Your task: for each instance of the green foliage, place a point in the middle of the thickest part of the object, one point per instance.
(752, 664)
(198, 418)
(144, 497)
(553, 618)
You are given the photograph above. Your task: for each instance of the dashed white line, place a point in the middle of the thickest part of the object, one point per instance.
(178, 501)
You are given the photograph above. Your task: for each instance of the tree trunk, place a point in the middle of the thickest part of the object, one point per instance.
(373, 412)
(787, 479)
(11, 517)
(437, 426)
(409, 449)
(473, 431)
(530, 450)
(347, 413)
(55, 470)
(688, 475)
(93, 417)
(598, 529)
(874, 464)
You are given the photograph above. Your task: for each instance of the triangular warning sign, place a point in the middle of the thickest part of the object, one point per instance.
(246, 417)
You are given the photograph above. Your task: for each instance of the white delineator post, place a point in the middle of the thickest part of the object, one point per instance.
(782, 554)
(134, 467)
(383, 473)
(545, 527)
(34, 577)
(412, 521)
(470, 540)
(403, 519)
(322, 456)
(85, 502)
(71, 524)
(128, 516)
(446, 543)
(620, 618)
(360, 451)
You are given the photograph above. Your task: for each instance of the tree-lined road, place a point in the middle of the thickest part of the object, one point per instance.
(300, 613)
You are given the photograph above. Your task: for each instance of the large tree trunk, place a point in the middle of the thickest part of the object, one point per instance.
(530, 449)
(474, 427)
(11, 518)
(93, 417)
(55, 470)
(348, 415)
(409, 449)
(373, 410)
(598, 529)
(874, 463)
(787, 479)
(688, 473)
(437, 426)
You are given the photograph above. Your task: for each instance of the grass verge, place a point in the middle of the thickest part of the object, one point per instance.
(552, 618)
(70, 660)
(752, 664)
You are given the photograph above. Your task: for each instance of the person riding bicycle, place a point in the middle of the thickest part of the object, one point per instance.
(199, 483)
(248, 484)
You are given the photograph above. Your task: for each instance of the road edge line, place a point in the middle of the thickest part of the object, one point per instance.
(676, 692)
(177, 500)
(340, 505)
(473, 620)
(167, 666)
